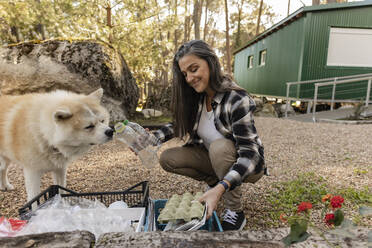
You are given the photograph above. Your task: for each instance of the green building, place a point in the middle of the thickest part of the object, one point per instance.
(315, 42)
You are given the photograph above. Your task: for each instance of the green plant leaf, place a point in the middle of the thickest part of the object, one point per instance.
(339, 217)
(365, 211)
(298, 228)
(288, 240)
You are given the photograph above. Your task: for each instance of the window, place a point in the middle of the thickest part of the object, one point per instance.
(350, 47)
(250, 61)
(262, 57)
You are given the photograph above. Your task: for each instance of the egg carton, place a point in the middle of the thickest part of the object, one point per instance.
(184, 207)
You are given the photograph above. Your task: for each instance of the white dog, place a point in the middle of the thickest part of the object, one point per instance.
(45, 132)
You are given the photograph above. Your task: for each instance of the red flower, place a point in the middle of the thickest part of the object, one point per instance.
(329, 219)
(304, 206)
(336, 201)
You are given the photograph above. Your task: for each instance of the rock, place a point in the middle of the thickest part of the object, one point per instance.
(272, 110)
(79, 66)
(170, 239)
(147, 113)
(270, 238)
(359, 238)
(290, 110)
(267, 111)
(259, 103)
(78, 239)
(280, 109)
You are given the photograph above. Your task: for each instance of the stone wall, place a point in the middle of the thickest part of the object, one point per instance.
(80, 66)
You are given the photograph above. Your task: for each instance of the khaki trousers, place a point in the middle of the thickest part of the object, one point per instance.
(196, 162)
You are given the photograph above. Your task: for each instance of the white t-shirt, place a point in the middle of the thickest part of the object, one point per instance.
(207, 130)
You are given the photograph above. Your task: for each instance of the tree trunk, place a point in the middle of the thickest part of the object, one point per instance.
(189, 27)
(164, 53)
(176, 33)
(259, 18)
(212, 35)
(228, 53)
(205, 32)
(196, 17)
(15, 33)
(238, 34)
(316, 2)
(289, 5)
(109, 22)
(187, 23)
(40, 27)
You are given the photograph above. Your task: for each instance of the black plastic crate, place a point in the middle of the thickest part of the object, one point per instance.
(135, 196)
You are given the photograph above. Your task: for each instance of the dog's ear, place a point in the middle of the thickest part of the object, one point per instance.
(62, 114)
(97, 94)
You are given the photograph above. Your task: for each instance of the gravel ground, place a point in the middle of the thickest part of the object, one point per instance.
(334, 151)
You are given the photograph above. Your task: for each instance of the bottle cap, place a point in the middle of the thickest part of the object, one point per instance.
(125, 122)
(119, 127)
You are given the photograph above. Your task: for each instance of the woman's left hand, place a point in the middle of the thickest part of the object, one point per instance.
(211, 197)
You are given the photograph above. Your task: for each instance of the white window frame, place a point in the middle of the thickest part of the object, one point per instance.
(350, 47)
(263, 54)
(250, 61)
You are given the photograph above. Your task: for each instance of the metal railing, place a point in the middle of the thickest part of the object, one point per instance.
(326, 82)
(317, 85)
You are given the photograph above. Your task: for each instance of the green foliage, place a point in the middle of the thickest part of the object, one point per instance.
(360, 171)
(357, 197)
(248, 24)
(339, 217)
(147, 33)
(309, 187)
(286, 195)
(297, 234)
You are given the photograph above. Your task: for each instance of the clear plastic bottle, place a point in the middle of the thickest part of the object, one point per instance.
(146, 137)
(140, 143)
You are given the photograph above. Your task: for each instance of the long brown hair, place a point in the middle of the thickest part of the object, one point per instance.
(184, 98)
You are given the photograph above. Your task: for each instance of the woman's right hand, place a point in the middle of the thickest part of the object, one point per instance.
(212, 197)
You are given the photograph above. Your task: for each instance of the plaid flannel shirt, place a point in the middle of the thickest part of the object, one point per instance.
(233, 118)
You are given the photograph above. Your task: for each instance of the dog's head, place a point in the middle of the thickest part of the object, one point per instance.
(80, 121)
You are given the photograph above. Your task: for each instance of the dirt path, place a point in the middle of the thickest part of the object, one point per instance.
(333, 151)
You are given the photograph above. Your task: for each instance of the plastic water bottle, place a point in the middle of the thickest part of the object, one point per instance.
(147, 138)
(142, 143)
